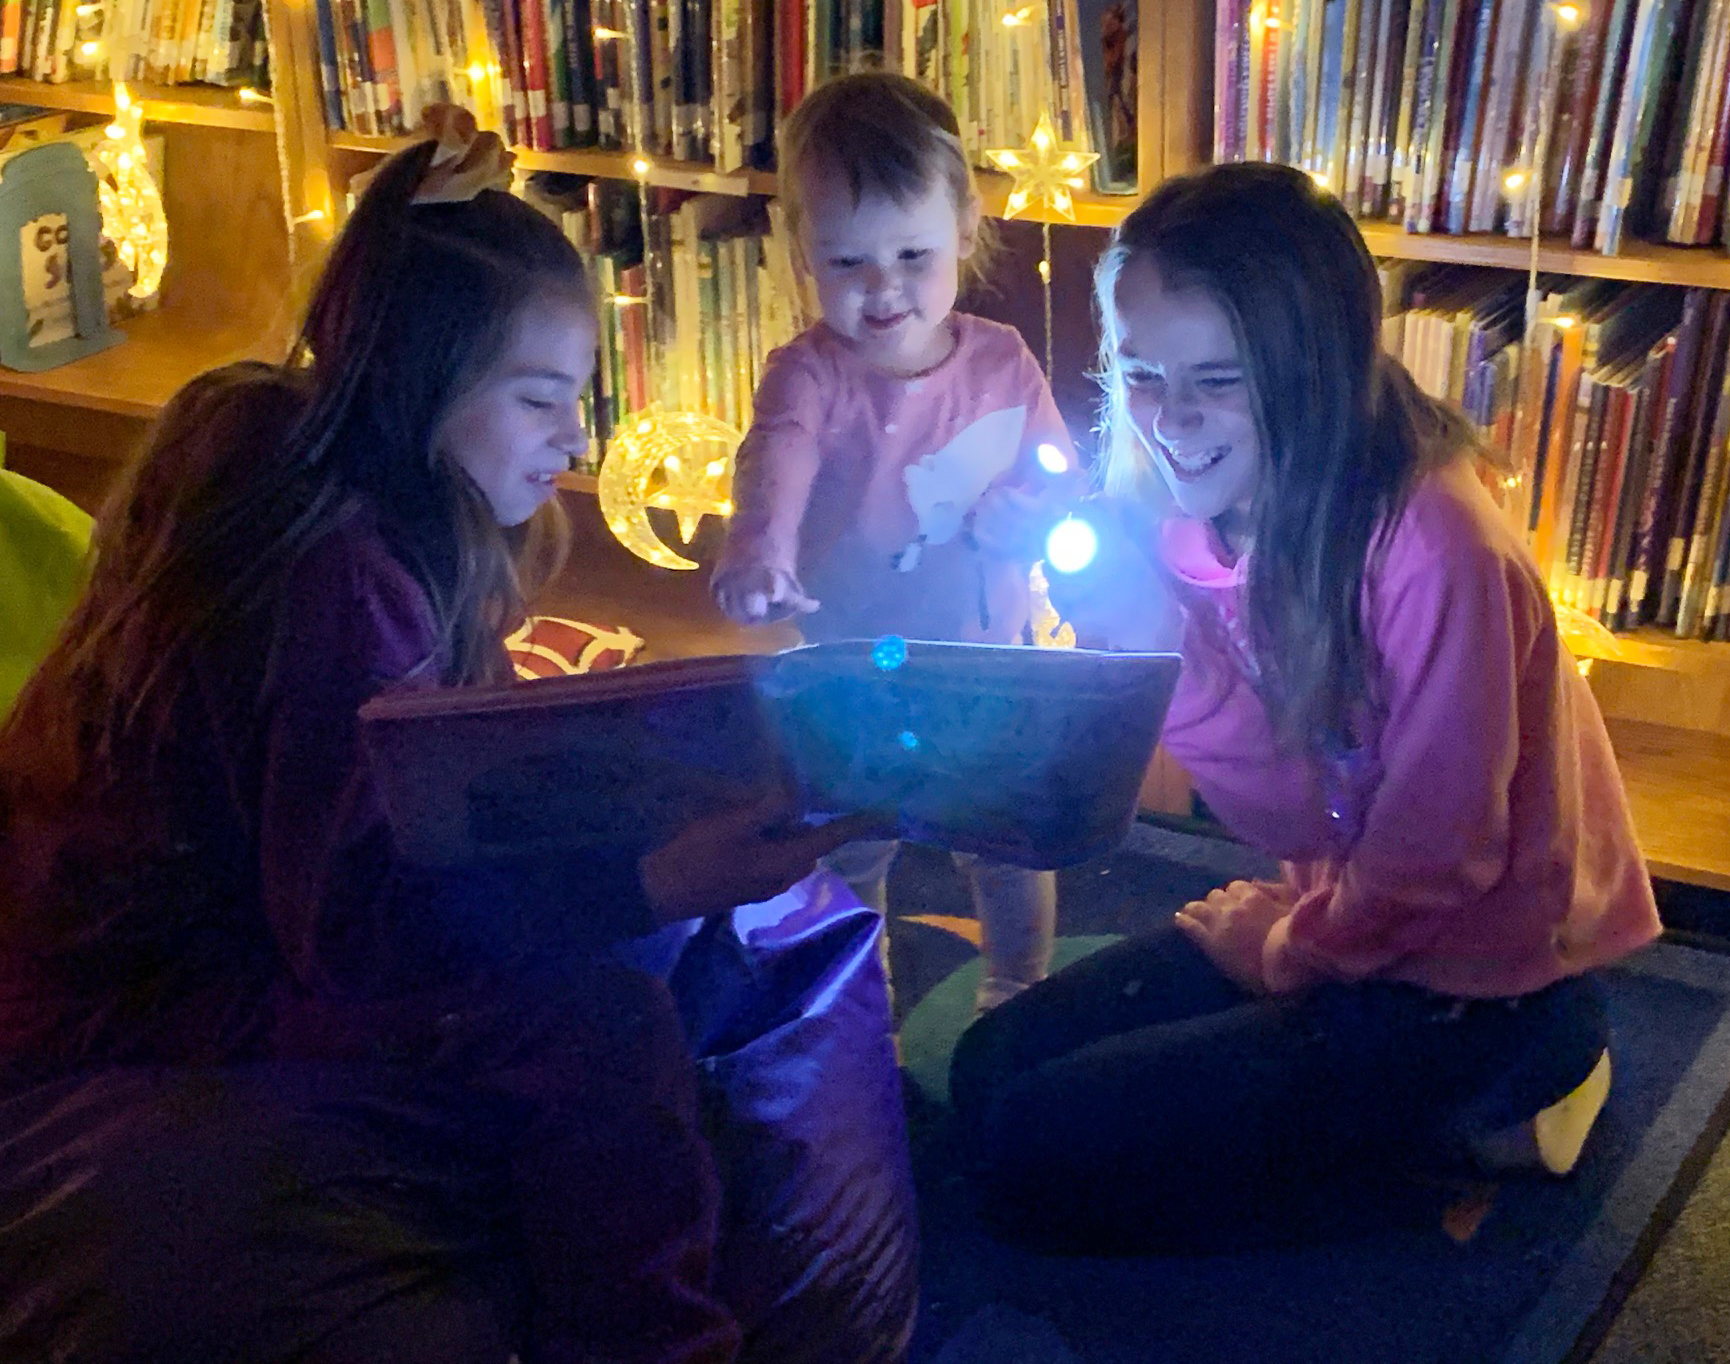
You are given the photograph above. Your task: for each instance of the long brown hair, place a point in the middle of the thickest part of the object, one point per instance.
(1345, 432)
(251, 465)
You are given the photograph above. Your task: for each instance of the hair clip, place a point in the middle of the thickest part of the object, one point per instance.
(465, 162)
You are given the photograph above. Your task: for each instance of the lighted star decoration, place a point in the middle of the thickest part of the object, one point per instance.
(132, 214)
(1044, 171)
(680, 461)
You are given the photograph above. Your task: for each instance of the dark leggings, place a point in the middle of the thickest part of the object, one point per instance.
(1140, 1099)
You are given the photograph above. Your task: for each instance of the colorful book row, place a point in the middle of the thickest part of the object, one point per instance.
(1614, 415)
(703, 82)
(1594, 121)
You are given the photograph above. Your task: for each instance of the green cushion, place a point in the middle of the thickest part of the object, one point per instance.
(935, 1023)
(43, 541)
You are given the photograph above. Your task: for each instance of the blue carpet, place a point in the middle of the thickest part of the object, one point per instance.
(1527, 1288)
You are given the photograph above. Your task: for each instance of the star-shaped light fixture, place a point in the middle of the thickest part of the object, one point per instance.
(1044, 171)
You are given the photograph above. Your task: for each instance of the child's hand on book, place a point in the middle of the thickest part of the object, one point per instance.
(756, 594)
(742, 857)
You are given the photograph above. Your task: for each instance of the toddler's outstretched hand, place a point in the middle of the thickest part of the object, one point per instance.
(1011, 523)
(756, 594)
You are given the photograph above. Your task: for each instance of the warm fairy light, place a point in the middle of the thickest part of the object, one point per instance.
(1569, 16)
(1584, 666)
(312, 215)
(132, 215)
(1514, 181)
(640, 167)
(628, 300)
(1564, 322)
(1018, 18)
(1321, 179)
(89, 49)
(607, 35)
(247, 95)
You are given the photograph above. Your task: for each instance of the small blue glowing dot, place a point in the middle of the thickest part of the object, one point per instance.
(1072, 545)
(889, 653)
(909, 740)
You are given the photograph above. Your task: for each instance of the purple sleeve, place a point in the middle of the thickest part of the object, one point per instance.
(350, 918)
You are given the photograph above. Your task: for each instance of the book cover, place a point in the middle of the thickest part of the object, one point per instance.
(1108, 63)
(1029, 756)
(1658, 501)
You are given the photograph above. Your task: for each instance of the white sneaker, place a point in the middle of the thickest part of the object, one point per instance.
(1553, 1139)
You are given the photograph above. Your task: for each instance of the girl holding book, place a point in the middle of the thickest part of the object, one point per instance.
(266, 1090)
(893, 438)
(1374, 692)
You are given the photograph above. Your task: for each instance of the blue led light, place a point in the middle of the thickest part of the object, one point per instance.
(909, 740)
(1072, 545)
(889, 653)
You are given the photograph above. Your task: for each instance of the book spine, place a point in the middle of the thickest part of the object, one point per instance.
(1696, 572)
(1707, 375)
(1658, 496)
(1618, 170)
(1613, 69)
(329, 77)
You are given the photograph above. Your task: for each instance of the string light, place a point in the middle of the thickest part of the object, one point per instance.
(1018, 18)
(247, 95)
(607, 35)
(641, 166)
(312, 215)
(132, 214)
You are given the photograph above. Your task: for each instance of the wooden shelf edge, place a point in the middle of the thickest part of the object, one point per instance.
(1678, 783)
(1639, 262)
(1651, 647)
(203, 105)
(1091, 210)
(135, 378)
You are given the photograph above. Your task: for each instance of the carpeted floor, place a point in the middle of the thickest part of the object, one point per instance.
(1678, 1310)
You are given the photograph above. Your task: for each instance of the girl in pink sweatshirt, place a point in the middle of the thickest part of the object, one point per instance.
(1375, 693)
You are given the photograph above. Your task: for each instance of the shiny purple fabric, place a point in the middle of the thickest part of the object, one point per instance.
(786, 1006)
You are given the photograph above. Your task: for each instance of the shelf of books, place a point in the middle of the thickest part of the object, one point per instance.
(1452, 131)
(205, 105)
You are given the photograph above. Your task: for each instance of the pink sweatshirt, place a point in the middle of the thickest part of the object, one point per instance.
(1481, 845)
(846, 467)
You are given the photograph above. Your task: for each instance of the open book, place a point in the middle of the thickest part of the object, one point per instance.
(1030, 756)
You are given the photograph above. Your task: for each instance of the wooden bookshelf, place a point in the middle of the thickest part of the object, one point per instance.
(207, 106)
(1638, 262)
(161, 352)
(1678, 783)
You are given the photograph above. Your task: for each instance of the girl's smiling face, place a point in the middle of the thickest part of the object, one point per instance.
(1188, 392)
(517, 429)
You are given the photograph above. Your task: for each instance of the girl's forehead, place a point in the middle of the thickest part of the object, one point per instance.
(832, 211)
(1165, 325)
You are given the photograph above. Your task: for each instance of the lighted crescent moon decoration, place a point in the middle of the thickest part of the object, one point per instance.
(680, 461)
